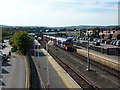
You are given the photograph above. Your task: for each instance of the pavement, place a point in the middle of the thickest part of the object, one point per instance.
(13, 72)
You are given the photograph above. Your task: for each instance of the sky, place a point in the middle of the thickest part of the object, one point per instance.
(57, 13)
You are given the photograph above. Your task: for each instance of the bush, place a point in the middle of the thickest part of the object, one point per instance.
(13, 49)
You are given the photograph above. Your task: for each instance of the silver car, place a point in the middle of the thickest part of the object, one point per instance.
(118, 43)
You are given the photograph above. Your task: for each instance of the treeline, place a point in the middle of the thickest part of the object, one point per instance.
(38, 28)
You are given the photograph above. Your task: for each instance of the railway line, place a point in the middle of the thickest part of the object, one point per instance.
(98, 65)
(72, 63)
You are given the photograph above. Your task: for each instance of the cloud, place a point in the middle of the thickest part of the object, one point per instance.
(58, 12)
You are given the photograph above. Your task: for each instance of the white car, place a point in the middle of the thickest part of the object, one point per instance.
(118, 43)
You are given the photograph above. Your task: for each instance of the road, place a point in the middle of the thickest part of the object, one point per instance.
(13, 72)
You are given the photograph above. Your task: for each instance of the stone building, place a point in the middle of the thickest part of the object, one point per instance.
(110, 34)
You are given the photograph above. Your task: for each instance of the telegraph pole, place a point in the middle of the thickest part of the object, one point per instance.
(88, 59)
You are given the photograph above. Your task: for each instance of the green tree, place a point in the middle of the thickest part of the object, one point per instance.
(95, 32)
(6, 33)
(20, 41)
(117, 27)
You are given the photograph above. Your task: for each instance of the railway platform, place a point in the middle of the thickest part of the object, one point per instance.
(109, 60)
(50, 71)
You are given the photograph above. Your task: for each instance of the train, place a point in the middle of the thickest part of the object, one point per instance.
(64, 43)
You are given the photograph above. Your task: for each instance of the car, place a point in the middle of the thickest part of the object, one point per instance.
(91, 39)
(114, 43)
(103, 40)
(108, 41)
(2, 45)
(98, 40)
(118, 43)
(96, 43)
(3, 57)
(95, 39)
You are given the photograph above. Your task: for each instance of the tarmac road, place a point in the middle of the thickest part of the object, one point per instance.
(13, 72)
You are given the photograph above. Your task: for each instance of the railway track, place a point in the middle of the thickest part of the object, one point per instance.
(98, 65)
(74, 72)
(75, 75)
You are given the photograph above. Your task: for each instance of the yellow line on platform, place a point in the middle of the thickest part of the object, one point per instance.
(65, 77)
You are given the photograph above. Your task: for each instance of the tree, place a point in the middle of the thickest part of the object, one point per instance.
(20, 41)
(5, 33)
(117, 27)
(95, 32)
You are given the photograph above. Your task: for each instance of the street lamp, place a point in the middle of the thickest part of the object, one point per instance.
(50, 43)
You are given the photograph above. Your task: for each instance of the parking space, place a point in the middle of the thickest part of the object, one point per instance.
(12, 69)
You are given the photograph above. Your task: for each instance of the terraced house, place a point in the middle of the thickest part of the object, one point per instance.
(110, 34)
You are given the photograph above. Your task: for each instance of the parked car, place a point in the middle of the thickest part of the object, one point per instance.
(108, 41)
(2, 45)
(103, 40)
(96, 43)
(95, 39)
(99, 40)
(114, 43)
(3, 57)
(91, 39)
(118, 43)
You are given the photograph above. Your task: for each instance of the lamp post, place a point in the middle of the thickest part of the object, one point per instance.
(88, 59)
(50, 43)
